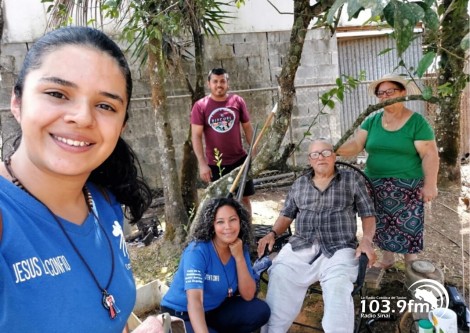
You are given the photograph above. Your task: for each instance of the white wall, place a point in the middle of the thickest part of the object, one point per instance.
(25, 20)
(260, 16)
(360, 20)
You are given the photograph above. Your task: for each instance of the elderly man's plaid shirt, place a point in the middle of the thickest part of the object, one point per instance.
(328, 217)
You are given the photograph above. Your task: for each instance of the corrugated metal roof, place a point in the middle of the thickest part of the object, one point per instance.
(362, 53)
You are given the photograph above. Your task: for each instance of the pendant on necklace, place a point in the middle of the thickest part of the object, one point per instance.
(230, 292)
(109, 304)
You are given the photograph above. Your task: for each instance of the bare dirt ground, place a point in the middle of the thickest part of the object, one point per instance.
(447, 245)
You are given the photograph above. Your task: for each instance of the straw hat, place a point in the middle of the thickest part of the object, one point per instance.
(411, 87)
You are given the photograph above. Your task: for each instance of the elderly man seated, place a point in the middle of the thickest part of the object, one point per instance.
(323, 248)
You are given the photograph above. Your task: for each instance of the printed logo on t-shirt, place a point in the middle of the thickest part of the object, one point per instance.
(34, 267)
(221, 120)
(117, 232)
(193, 276)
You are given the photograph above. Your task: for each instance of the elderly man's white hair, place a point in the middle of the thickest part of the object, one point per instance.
(324, 140)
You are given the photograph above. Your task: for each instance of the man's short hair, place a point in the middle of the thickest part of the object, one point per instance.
(217, 71)
(322, 139)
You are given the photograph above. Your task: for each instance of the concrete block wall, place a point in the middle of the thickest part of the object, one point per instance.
(253, 60)
(316, 75)
(10, 61)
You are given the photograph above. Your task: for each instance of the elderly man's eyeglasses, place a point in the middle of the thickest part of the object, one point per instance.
(388, 92)
(325, 153)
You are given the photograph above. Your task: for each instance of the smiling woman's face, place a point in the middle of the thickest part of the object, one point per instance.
(388, 90)
(72, 110)
(226, 225)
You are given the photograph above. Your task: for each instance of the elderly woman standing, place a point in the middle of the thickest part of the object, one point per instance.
(403, 164)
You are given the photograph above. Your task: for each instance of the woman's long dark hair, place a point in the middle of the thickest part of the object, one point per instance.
(121, 172)
(204, 229)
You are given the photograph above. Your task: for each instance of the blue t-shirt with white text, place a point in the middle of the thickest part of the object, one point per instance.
(201, 268)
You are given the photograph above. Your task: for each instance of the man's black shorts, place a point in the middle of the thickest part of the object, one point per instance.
(249, 186)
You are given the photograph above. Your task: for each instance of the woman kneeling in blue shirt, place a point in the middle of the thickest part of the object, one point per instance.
(214, 288)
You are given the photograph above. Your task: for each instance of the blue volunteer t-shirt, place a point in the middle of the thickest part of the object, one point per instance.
(200, 268)
(44, 285)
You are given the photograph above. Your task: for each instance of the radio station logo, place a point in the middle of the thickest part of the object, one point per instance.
(430, 292)
(425, 295)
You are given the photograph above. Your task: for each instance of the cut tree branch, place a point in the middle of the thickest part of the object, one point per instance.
(372, 108)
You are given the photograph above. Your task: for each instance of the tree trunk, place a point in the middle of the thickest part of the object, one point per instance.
(2, 20)
(189, 175)
(454, 28)
(303, 15)
(189, 170)
(270, 151)
(175, 216)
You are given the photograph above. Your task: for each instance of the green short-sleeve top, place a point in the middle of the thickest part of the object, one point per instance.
(392, 154)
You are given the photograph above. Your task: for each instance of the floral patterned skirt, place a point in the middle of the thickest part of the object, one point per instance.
(400, 212)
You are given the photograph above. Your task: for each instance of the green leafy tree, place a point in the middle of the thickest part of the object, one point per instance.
(447, 33)
(155, 23)
(402, 16)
